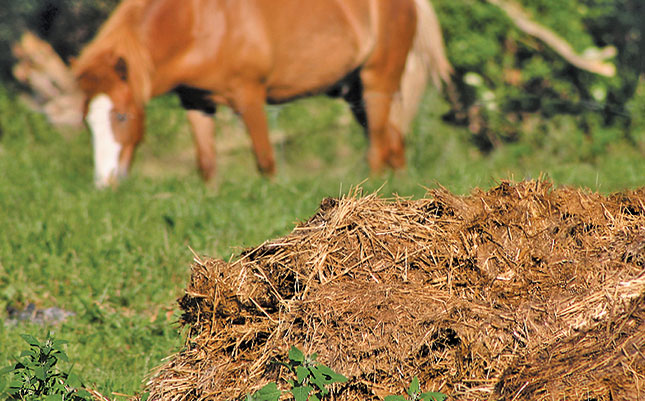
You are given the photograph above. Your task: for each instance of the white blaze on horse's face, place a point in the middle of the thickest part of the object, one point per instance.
(106, 149)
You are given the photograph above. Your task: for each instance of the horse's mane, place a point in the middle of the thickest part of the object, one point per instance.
(119, 37)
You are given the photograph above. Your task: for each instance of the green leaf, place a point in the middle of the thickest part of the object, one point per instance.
(28, 352)
(395, 398)
(73, 381)
(335, 377)
(62, 356)
(296, 355)
(7, 369)
(57, 387)
(31, 340)
(433, 396)
(320, 381)
(414, 387)
(269, 392)
(144, 396)
(40, 373)
(15, 383)
(314, 397)
(301, 373)
(322, 375)
(54, 397)
(13, 391)
(285, 365)
(86, 395)
(50, 362)
(301, 393)
(321, 386)
(58, 344)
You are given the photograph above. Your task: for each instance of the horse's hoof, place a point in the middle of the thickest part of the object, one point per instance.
(396, 160)
(267, 171)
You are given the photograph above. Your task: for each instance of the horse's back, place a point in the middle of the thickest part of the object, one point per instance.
(316, 43)
(323, 40)
(294, 47)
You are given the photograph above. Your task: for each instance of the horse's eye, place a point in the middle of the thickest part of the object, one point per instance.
(120, 117)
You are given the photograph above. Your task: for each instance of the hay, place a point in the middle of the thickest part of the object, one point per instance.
(521, 292)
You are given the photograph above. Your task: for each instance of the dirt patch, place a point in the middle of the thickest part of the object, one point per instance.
(521, 292)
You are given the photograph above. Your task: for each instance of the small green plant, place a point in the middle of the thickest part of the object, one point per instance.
(415, 394)
(311, 379)
(34, 375)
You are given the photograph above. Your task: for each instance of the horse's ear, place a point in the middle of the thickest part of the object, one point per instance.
(121, 69)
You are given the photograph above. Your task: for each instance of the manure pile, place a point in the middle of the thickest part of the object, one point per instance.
(524, 292)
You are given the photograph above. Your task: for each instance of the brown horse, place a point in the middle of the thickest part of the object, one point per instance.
(246, 53)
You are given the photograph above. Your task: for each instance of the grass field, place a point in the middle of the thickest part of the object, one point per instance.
(118, 259)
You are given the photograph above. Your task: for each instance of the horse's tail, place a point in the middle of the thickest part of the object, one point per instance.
(427, 58)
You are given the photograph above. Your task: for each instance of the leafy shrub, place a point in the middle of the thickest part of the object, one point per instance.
(35, 377)
(311, 379)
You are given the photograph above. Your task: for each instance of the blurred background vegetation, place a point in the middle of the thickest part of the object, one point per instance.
(517, 84)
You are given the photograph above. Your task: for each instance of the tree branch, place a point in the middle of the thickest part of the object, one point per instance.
(592, 61)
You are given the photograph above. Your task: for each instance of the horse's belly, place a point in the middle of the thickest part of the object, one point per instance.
(304, 74)
(281, 92)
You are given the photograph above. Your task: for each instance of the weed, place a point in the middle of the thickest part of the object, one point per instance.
(415, 394)
(35, 377)
(311, 379)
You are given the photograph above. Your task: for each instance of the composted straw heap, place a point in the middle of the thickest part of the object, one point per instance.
(521, 292)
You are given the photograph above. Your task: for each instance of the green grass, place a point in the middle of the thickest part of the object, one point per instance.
(119, 258)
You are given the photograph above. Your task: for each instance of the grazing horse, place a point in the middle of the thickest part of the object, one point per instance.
(246, 53)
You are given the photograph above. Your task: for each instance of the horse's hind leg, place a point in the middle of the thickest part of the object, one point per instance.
(386, 142)
(396, 144)
(381, 77)
(386, 148)
(203, 125)
(352, 92)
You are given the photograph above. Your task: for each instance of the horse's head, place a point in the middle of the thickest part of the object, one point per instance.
(114, 115)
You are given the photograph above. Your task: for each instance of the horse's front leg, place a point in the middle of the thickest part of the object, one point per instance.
(203, 126)
(249, 104)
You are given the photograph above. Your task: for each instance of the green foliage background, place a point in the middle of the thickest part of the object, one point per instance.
(523, 84)
(119, 258)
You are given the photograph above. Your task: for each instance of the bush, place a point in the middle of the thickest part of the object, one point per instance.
(311, 379)
(504, 77)
(35, 376)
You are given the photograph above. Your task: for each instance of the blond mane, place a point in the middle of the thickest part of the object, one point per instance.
(119, 37)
